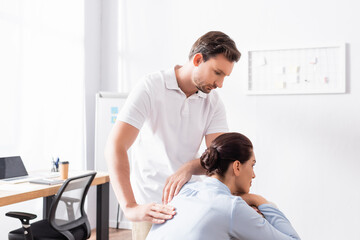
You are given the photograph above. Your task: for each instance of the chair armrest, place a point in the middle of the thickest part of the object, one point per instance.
(25, 220)
(22, 216)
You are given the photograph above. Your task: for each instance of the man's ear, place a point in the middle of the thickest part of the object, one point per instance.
(236, 167)
(197, 59)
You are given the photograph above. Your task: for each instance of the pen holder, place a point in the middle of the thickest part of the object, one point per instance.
(64, 170)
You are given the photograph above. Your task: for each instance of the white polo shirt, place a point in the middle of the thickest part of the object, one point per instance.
(171, 126)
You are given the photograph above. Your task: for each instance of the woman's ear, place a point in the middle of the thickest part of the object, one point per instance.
(236, 167)
(197, 59)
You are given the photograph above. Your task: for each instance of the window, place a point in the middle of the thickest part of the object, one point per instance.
(42, 81)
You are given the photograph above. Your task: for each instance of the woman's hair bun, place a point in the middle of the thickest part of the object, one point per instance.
(209, 159)
(225, 149)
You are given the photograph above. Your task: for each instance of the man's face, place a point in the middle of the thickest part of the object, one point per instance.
(210, 74)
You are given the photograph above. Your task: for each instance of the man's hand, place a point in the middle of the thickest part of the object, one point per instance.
(151, 212)
(175, 182)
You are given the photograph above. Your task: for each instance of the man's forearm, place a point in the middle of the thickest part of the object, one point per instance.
(195, 168)
(119, 171)
(120, 178)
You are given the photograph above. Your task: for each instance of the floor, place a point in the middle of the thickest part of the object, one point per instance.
(114, 234)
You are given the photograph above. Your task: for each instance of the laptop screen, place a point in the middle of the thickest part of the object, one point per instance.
(12, 167)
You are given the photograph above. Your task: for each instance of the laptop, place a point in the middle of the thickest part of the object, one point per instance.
(12, 170)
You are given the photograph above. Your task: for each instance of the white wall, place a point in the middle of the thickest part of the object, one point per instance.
(92, 31)
(307, 146)
(101, 41)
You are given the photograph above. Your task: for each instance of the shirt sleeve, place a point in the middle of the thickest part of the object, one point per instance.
(248, 224)
(137, 106)
(218, 122)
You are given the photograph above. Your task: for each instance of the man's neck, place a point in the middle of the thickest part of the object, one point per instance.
(184, 79)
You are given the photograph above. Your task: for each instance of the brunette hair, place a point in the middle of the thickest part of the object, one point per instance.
(224, 150)
(213, 43)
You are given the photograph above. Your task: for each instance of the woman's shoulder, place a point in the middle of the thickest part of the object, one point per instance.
(190, 188)
(208, 186)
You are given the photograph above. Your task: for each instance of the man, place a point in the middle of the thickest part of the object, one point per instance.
(171, 111)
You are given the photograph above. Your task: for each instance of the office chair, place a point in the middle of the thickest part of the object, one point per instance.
(67, 218)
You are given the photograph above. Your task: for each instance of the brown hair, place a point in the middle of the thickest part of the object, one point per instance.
(213, 43)
(224, 150)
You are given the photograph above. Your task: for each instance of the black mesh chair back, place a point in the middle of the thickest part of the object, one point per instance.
(67, 218)
(67, 210)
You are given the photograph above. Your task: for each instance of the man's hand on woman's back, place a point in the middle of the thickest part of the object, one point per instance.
(151, 212)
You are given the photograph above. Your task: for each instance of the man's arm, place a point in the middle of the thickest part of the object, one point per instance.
(121, 137)
(175, 182)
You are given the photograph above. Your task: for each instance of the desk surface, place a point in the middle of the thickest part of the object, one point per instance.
(11, 193)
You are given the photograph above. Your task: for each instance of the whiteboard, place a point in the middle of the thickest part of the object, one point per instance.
(108, 105)
(297, 70)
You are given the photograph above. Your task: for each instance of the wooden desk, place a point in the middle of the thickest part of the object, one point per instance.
(20, 192)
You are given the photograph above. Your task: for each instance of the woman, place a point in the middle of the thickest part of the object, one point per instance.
(210, 210)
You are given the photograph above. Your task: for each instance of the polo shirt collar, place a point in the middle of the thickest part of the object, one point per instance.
(201, 94)
(171, 83)
(170, 80)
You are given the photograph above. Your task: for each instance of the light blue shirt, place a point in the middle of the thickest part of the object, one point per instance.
(207, 210)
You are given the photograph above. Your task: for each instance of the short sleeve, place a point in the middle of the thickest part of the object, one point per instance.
(137, 106)
(218, 122)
